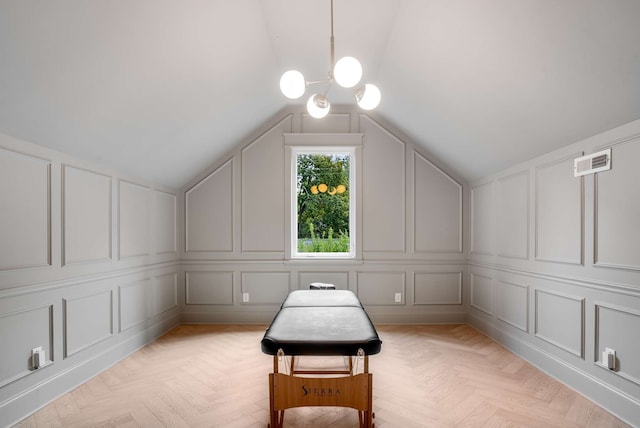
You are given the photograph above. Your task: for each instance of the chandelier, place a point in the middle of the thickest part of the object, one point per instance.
(347, 73)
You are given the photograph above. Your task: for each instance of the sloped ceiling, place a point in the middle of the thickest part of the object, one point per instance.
(159, 89)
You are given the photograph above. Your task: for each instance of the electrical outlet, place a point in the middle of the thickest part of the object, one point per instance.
(609, 358)
(245, 297)
(38, 357)
(398, 298)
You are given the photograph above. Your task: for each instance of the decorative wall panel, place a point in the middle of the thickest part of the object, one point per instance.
(513, 216)
(383, 190)
(209, 212)
(209, 288)
(339, 279)
(133, 303)
(87, 320)
(333, 122)
(20, 332)
(618, 208)
(559, 208)
(25, 194)
(265, 287)
(482, 293)
(379, 288)
(133, 219)
(165, 221)
(512, 304)
(617, 328)
(263, 204)
(482, 224)
(559, 320)
(438, 209)
(438, 288)
(165, 293)
(87, 215)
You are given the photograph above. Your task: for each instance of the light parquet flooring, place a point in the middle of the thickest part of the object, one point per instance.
(425, 376)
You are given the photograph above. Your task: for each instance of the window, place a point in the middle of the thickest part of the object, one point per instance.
(323, 217)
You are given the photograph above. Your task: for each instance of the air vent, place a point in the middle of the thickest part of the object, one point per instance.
(595, 162)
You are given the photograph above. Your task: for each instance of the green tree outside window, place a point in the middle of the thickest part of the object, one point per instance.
(323, 202)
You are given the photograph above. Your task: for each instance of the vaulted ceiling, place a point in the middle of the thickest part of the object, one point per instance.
(159, 89)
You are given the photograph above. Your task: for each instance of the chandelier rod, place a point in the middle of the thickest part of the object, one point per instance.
(333, 54)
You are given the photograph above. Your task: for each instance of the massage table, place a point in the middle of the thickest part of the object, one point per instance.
(321, 323)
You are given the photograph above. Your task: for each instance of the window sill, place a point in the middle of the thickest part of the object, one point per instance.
(324, 260)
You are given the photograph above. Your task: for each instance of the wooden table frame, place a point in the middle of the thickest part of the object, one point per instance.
(352, 390)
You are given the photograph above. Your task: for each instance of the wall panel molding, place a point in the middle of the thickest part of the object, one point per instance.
(165, 215)
(379, 288)
(87, 321)
(437, 208)
(616, 207)
(25, 204)
(513, 215)
(482, 222)
(133, 219)
(384, 200)
(263, 199)
(133, 303)
(265, 287)
(609, 334)
(87, 218)
(209, 226)
(165, 293)
(591, 283)
(482, 293)
(512, 304)
(21, 331)
(559, 212)
(208, 288)
(437, 288)
(556, 309)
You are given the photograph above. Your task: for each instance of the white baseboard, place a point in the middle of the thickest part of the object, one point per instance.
(28, 402)
(610, 398)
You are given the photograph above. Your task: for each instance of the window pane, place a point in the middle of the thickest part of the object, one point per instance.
(323, 203)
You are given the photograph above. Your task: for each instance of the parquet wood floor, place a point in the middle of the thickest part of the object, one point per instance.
(425, 376)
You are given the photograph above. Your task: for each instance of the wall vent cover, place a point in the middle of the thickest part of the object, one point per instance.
(595, 162)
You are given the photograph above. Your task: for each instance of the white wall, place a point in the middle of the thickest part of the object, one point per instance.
(88, 270)
(555, 266)
(409, 237)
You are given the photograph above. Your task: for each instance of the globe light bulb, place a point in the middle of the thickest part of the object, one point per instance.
(292, 84)
(368, 96)
(347, 72)
(318, 106)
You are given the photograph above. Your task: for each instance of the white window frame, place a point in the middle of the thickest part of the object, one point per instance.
(323, 150)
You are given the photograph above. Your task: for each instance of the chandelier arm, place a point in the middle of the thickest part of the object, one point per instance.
(314, 82)
(328, 87)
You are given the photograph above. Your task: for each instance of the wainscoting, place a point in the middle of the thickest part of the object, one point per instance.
(89, 271)
(554, 267)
